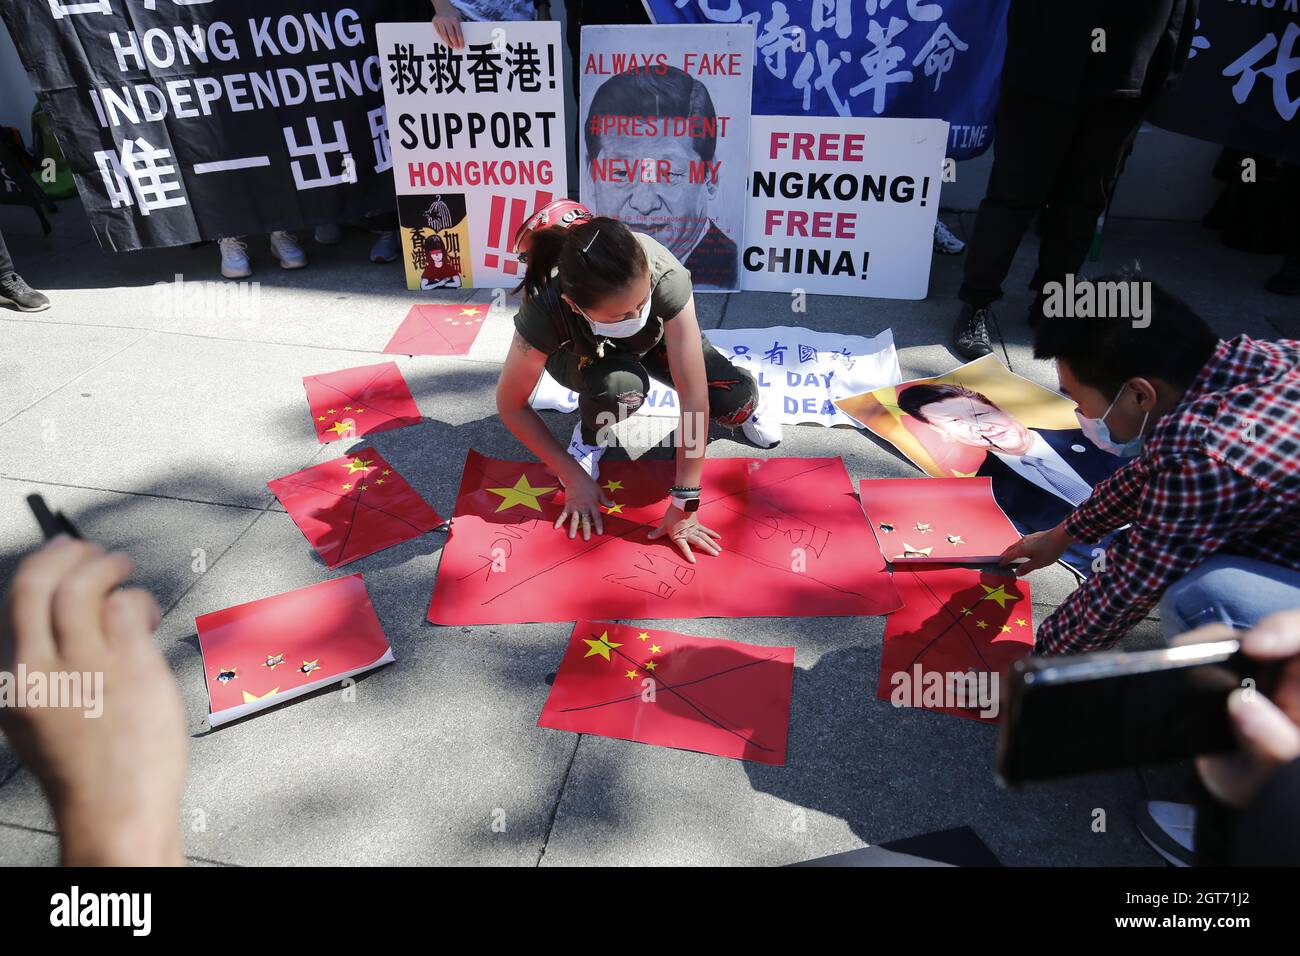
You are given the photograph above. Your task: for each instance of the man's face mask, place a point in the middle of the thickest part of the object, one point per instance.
(1098, 432)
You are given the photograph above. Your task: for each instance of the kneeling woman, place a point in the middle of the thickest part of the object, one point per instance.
(605, 309)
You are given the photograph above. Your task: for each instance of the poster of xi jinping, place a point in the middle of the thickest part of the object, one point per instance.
(982, 420)
(664, 144)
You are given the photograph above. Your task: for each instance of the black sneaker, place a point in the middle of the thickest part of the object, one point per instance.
(970, 333)
(1286, 282)
(14, 291)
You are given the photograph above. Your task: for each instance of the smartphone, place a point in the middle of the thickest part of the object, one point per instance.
(51, 524)
(1071, 715)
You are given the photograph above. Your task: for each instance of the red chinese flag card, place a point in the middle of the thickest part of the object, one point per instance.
(794, 543)
(958, 627)
(438, 330)
(937, 520)
(359, 401)
(353, 506)
(672, 690)
(266, 652)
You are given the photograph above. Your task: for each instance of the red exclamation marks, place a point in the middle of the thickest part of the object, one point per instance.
(491, 259)
(497, 255)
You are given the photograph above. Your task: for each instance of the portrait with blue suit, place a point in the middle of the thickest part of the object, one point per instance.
(1038, 475)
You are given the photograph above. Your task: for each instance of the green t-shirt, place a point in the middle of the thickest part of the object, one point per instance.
(547, 323)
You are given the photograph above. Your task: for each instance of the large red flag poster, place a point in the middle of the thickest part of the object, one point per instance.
(937, 520)
(353, 506)
(266, 652)
(431, 329)
(673, 690)
(359, 401)
(958, 626)
(795, 543)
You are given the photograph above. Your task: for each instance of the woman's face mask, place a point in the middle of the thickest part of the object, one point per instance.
(620, 330)
(1098, 432)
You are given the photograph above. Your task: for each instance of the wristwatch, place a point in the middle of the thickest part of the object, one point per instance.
(687, 499)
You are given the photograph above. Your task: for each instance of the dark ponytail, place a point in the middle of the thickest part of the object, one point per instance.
(596, 259)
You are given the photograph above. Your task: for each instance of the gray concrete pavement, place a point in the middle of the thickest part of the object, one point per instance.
(159, 428)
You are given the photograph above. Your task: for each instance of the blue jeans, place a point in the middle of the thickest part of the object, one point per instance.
(1228, 589)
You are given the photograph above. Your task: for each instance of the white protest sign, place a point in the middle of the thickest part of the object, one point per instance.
(665, 138)
(478, 144)
(843, 206)
(802, 371)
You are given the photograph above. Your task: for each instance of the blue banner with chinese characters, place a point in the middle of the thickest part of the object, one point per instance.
(1241, 87)
(937, 59)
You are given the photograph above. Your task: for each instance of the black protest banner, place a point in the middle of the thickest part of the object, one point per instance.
(1242, 84)
(196, 119)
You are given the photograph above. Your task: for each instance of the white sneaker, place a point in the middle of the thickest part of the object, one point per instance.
(234, 259)
(588, 456)
(1170, 828)
(328, 235)
(286, 249)
(762, 427)
(387, 247)
(945, 243)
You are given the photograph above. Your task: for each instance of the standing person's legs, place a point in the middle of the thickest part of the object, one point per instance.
(1084, 183)
(1031, 141)
(6, 263)
(1228, 589)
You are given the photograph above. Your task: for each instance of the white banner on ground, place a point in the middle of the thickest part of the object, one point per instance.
(478, 144)
(802, 371)
(842, 206)
(664, 142)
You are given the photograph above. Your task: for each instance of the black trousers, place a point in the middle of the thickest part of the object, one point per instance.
(6, 264)
(1058, 161)
(614, 387)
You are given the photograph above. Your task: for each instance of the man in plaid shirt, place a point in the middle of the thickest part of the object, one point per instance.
(1211, 498)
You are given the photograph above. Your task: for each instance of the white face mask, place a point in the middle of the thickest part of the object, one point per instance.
(620, 330)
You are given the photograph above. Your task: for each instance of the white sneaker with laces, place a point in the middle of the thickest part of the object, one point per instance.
(945, 243)
(762, 427)
(588, 456)
(234, 258)
(286, 249)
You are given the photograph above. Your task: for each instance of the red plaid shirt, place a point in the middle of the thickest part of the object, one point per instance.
(1219, 473)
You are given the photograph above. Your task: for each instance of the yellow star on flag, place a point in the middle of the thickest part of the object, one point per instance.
(602, 646)
(631, 675)
(956, 539)
(998, 594)
(340, 428)
(911, 552)
(982, 625)
(650, 665)
(613, 485)
(1022, 622)
(358, 464)
(655, 649)
(347, 487)
(643, 636)
(962, 474)
(1006, 629)
(470, 311)
(614, 509)
(521, 494)
(252, 699)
